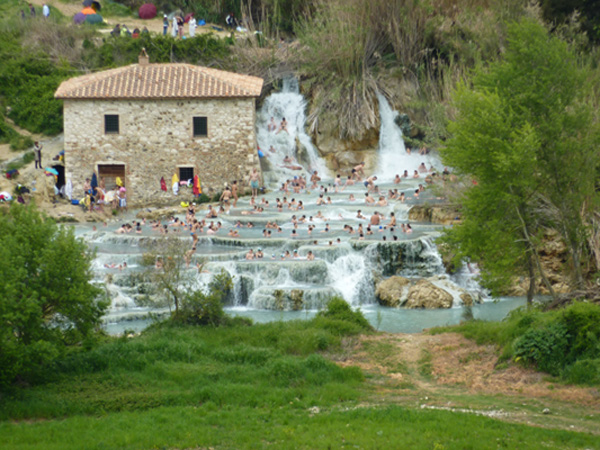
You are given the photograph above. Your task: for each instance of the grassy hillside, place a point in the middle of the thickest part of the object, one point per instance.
(238, 387)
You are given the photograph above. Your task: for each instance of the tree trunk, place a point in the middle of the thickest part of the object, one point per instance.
(531, 270)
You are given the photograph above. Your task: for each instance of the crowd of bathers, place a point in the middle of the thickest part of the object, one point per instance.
(301, 224)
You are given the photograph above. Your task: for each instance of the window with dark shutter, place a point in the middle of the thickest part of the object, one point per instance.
(186, 173)
(111, 124)
(200, 126)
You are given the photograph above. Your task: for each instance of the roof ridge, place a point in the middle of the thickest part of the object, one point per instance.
(156, 80)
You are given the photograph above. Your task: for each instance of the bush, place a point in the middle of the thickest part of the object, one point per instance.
(47, 302)
(28, 82)
(339, 310)
(584, 371)
(120, 51)
(545, 347)
(199, 308)
(18, 164)
(9, 135)
(564, 343)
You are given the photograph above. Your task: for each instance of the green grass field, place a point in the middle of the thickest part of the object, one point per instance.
(269, 385)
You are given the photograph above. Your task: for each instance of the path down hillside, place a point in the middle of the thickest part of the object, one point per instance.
(449, 372)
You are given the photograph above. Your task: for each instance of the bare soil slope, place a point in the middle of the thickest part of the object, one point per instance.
(448, 371)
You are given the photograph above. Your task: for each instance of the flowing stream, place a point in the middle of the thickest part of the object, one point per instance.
(277, 287)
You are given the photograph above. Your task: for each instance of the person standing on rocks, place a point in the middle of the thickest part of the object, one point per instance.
(37, 148)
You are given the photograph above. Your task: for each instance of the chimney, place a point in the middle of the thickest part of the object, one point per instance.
(143, 59)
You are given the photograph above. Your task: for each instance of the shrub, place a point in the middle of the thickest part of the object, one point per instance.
(339, 310)
(199, 308)
(546, 347)
(47, 302)
(564, 343)
(584, 371)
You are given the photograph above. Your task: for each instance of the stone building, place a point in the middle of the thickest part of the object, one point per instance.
(146, 121)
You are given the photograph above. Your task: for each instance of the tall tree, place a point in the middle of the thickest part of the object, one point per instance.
(526, 132)
(46, 299)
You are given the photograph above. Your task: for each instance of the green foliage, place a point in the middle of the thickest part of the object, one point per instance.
(343, 318)
(545, 347)
(27, 83)
(264, 365)
(21, 162)
(46, 300)
(199, 308)
(16, 140)
(526, 134)
(564, 343)
(114, 9)
(119, 51)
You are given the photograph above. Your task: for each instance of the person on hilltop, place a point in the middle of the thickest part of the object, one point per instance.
(45, 10)
(192, 24)
(37, 148)
(32, 10)
(165, 24)
(174, 27)
(231, 21)
(180, 23)
(116, 32)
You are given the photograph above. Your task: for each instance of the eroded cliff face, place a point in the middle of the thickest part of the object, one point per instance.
(344, 154)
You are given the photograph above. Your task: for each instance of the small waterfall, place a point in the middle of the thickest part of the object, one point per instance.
(350, 275)
(291, 105)
(393, 157)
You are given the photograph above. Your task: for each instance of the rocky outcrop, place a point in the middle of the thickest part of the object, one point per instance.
(423, 294)
(392, 291)
(431, 293)
(440, 214)
(343, 154)
(467, 299)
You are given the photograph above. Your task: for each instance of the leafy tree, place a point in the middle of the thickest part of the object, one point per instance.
(46, 300)
(167, 270)
(526, 134)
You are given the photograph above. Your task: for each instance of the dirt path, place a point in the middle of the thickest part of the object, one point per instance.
(447, 371)
(71, 8)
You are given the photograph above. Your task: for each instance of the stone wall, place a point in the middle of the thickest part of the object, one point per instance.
(155, 138)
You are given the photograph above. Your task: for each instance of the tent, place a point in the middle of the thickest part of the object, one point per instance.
(96, 6)
(88, 11)
(87, 2)
(147, 11)
(79, 18)
(93, 19)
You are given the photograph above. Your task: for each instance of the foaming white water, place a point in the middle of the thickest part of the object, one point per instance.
(393, 158)
(350, 275)
(291, 105)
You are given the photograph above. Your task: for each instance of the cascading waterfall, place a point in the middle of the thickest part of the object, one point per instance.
(393, 157)
(344, 264)
(291, 105)
(350, 276)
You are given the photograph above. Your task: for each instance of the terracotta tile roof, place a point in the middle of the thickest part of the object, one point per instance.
(160, 81)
